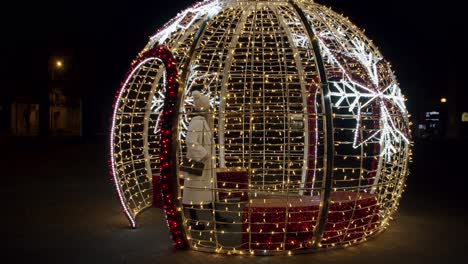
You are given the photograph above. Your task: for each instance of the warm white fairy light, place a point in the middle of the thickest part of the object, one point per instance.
(256, 62)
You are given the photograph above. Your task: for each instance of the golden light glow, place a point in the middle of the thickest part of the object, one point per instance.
(443, 100)
(59, 64)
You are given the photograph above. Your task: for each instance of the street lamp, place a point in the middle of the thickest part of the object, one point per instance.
(56, 67)
(443, 100)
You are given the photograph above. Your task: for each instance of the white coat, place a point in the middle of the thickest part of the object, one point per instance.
(199, 189)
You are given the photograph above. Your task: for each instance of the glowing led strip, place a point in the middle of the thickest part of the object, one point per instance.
(156, 107)
(395, 97)
(207, 7)
(130, 217)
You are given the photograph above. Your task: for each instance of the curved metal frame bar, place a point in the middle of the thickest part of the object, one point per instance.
(168, 150)
(169, 185)
(329, 141)
(144, 58)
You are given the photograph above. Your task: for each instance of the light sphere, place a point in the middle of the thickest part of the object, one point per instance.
(299, 125)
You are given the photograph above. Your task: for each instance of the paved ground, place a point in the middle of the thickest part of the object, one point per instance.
(59, 206)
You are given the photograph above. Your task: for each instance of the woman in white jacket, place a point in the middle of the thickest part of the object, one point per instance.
(198, 190)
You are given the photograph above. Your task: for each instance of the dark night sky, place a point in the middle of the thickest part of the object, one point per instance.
(422, 40)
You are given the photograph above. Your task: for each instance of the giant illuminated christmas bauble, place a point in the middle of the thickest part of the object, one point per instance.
(309, 131)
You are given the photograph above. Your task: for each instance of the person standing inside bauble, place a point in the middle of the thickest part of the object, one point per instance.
(198, 189)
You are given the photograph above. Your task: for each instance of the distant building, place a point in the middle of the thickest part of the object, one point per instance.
(64, 114)
(24, 117)
(431, 127)
(52, 110)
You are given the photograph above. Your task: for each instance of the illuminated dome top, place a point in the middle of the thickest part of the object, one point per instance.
(310, 131)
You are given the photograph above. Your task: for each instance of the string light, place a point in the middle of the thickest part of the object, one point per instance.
(261, 68)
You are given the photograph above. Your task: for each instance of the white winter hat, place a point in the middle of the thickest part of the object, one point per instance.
(201, 101)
